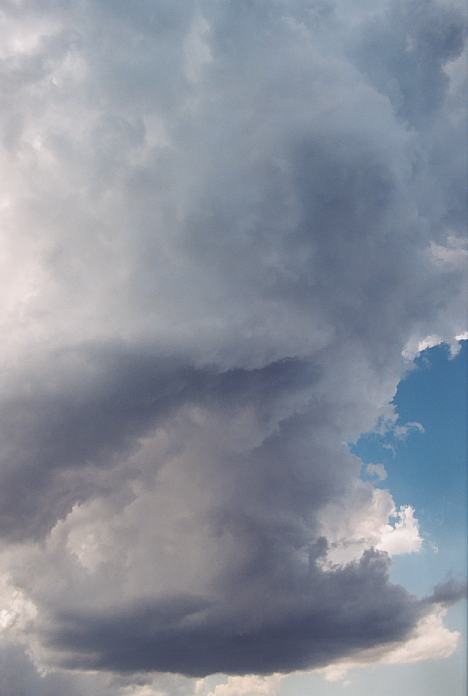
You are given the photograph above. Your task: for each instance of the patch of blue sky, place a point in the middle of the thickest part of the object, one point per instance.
(428, 470)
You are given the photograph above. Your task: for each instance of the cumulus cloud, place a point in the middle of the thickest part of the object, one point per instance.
(368, 519)
(223, 224)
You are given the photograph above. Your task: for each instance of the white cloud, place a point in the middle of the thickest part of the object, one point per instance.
(369, 522)
(454, 253)
(403, 536)
(17, 612)
(145, 690)
(412, 349)
(377, 470)
(245, 686)
(401, 432)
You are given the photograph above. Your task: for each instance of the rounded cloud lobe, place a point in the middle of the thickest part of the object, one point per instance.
(218, 235)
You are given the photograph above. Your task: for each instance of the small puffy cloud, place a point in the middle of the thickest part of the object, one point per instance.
(403, 536)
(402, 431)
(377, 470)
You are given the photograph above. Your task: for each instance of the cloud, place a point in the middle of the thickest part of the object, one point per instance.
(248, 686)
(430, 640)
(368, 519)
(222, 224)
(88, 405)
(198, 635)
(377, 470)
(449, 592)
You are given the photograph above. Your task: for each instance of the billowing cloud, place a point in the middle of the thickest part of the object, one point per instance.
(225, 228)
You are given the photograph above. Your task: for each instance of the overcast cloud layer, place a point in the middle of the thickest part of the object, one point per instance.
(224, 225)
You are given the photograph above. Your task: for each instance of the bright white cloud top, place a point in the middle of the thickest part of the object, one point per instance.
(225, 229)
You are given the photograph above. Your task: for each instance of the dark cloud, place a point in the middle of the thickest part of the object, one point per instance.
(89, 406)
(225, 222)
(449, 592)
(189, 636)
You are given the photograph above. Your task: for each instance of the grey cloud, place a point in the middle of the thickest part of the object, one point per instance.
(404, 52)
(312, 630)
(222, 216)
(91, 408)
(19, 677)
(449, 592)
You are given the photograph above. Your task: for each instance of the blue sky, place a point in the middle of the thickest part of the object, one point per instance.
(428, 469)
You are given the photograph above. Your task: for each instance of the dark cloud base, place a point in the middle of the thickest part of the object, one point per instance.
(188, 636)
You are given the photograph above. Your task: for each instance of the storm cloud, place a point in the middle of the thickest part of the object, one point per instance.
(224, 226)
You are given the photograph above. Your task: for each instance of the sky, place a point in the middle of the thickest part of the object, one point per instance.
(233, 315)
